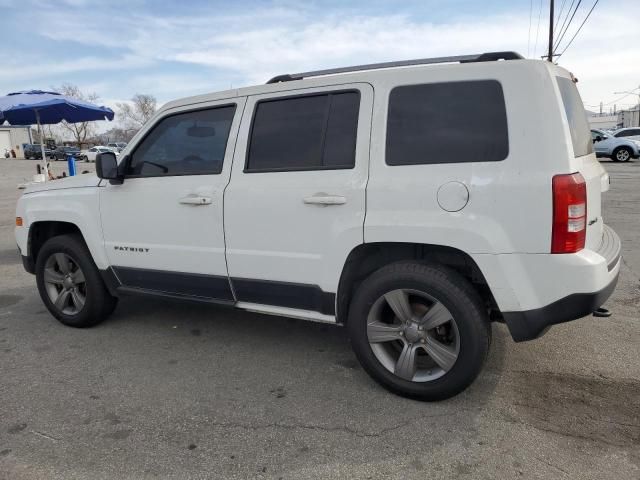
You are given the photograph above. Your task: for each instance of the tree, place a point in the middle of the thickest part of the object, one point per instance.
(81, 130)
(138, 112)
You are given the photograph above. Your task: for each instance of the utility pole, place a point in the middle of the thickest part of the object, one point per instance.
(550, 51)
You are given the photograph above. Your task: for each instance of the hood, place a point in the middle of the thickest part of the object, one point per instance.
(83, 180)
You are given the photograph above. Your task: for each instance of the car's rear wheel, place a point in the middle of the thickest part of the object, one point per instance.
(419, 330)
(621, 154)
(70, 284)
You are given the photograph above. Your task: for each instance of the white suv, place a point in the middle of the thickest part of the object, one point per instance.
(413, 202)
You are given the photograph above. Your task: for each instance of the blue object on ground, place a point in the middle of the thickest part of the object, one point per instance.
(71, 163)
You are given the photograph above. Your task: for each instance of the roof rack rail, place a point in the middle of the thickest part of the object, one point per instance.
(481, 57)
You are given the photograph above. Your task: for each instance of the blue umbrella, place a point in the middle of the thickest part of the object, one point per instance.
(44, 108)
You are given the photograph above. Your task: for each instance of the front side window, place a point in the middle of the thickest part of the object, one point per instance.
(312, 132)
(450, 122)
(189, 143)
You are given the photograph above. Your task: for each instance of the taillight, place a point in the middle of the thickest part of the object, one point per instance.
(569, 213)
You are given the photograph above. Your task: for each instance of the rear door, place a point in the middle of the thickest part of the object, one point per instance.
(295, 205)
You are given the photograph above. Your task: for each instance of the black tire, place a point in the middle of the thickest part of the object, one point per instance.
(453, 292)
(621, 154)
(99, 303)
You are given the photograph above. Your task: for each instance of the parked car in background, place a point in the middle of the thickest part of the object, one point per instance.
(618, 149)
(117, 146)
(34, 152)
(61, 153)
(627, 132)
(90, 155)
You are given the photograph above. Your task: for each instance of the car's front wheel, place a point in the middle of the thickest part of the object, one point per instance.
(622, 154)
(419, 330)
(70, 284)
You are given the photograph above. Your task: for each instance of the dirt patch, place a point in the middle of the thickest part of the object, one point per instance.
(8, 300)
(591, 408)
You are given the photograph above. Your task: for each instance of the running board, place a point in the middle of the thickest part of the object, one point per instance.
(286, 312)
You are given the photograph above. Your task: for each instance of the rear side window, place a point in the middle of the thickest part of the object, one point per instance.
(449, 122)
(312, 132)
(628, 133)
(189, 143)
(577, 118)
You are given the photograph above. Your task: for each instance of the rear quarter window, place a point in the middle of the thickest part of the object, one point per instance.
(449, 122)
(576, 117)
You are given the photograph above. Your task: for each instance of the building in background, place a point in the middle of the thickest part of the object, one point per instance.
(629, 117)
(602, 121)
(12, 137)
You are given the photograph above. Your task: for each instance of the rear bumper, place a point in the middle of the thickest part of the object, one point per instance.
(535, 291)
(532, 324)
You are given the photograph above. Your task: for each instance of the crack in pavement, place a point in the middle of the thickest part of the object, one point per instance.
(44, 435)
(295, 426)
(575, 436)
(555, 467)
(576, 417)
(303, 426)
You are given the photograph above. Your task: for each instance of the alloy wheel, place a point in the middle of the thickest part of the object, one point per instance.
(65, 284)
(413, 335)
(622, 155)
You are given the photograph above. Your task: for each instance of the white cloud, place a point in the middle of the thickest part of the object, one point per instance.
(251, 47)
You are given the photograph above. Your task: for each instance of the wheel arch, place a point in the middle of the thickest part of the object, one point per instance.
(369, 257)
(43, 230)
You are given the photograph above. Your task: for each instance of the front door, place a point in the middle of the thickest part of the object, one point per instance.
(162, 226)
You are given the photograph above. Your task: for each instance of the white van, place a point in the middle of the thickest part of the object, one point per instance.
(413, 202)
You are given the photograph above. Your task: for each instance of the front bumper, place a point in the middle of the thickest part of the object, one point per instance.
(28, 264)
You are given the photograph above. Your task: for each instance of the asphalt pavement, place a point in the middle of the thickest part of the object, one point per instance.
(178, 390)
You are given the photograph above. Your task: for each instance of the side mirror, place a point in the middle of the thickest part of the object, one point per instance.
(107, 167)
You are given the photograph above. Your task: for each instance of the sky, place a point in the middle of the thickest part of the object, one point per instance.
(118, 48)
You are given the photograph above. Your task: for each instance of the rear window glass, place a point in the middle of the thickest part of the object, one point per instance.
(628, 133)
(576, 116)
(451, 122)
(312, 132)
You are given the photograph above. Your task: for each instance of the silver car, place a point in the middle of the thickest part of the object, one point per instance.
(617, 145)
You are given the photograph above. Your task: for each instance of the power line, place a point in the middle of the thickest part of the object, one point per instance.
(529, 34)
(579, 28)
(555, 26)
(567, 27)
(566, 17)
(617, 100)
(537, 29)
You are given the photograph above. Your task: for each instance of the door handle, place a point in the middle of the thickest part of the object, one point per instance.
(324, 199)
(195, 200)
